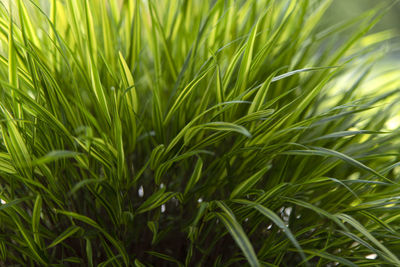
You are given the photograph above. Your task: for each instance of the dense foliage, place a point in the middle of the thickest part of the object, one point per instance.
(195, 133)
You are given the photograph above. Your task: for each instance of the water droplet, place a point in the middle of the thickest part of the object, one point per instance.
(141, 191)
(371, 256)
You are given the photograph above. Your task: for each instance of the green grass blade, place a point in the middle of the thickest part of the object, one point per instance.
(240, 238)
(70, 231)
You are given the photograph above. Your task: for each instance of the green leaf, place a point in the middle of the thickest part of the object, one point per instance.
(345, 133)
(247, 58)
(70, 231)
(277, 221)
(216, 126)
(195, 176)
(129, 83)
(54, 156)
(183, 95)
(247, 184)
(80, 217)
(15, 144)
(153, 226)
(261, 95)
(165, 257)
(320, 151)
(92, 223)
(155, 200)
(37, 209)
(291, 73)
(139, 264)
(350, 220)
(240, 237)
(89, 252)
(30, 243)
(330, 257)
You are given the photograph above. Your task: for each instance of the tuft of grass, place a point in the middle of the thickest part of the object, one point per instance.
(194, 133)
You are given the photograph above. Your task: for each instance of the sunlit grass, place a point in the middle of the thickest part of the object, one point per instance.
(196, 133)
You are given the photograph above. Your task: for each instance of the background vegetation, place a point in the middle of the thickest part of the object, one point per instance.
(196, 133)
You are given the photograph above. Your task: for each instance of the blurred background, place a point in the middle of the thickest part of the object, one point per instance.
(344, 9)
(389, 62)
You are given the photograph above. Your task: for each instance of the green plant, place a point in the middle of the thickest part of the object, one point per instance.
(194, 133)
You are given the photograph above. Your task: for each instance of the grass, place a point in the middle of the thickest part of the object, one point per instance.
(195, 133)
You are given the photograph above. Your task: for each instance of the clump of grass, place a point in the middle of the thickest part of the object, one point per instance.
(194, 133)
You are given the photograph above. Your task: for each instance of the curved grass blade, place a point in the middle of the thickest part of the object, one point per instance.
(216, 126)
(320, 151)
(70, 231)
(277, 221)
(249, 183)
(237, 233)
